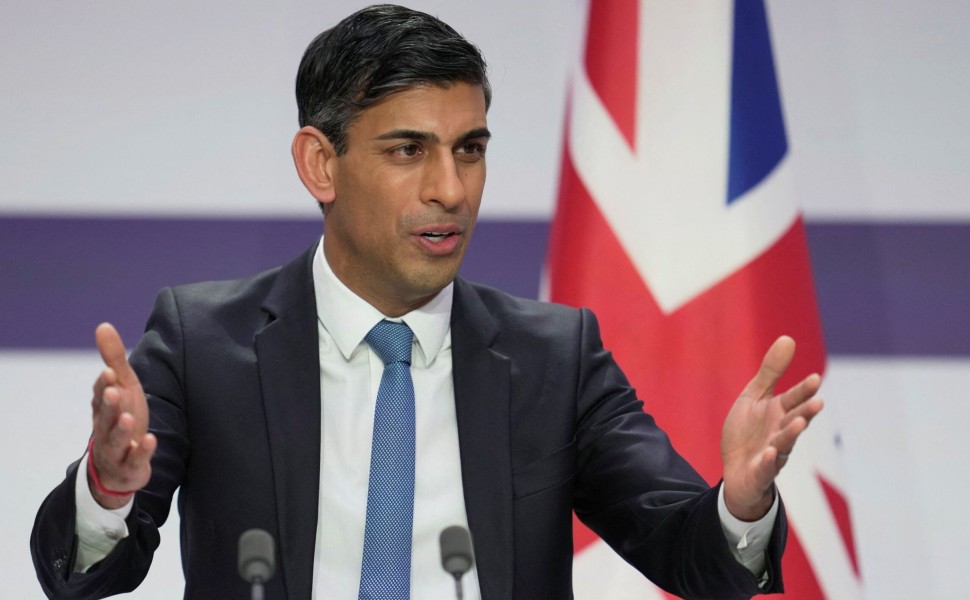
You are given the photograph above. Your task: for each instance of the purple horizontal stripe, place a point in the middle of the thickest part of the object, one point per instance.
(63, 276)
(883, 289)
(897, 289)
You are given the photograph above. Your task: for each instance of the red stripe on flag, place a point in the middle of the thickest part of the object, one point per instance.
(840, 511)
(611, 60)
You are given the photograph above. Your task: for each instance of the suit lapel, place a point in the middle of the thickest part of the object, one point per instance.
(481, 377)
(287, 354)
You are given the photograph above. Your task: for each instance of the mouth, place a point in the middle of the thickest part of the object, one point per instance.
(439, 240)
(437, 236)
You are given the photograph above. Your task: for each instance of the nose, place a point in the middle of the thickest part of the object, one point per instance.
(443, 183)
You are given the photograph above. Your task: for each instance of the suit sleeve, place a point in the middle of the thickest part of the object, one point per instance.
(158, 361)
(638, 494)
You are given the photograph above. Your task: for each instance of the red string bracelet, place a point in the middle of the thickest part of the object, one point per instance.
(94, 475)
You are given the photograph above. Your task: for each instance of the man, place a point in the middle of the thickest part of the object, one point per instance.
(262, 398)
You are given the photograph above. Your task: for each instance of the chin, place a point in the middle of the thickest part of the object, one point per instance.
(431, 281)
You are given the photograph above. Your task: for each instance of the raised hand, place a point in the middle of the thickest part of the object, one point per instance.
(122, 447)
(760, 432)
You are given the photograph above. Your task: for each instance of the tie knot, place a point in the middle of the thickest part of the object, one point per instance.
(391, 341)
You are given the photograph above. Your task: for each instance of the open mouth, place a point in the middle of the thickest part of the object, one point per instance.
(435, 236)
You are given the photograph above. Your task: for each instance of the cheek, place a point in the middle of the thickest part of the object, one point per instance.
(474, 181)
(371, 210)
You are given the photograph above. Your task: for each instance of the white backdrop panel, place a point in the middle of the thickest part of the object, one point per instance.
(186, 108)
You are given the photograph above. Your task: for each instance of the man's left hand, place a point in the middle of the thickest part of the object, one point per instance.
(760, 432)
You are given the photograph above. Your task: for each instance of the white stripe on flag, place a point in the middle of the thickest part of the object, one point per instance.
(680, 160)
(599, 572)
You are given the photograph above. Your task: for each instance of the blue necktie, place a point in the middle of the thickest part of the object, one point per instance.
(386, 570)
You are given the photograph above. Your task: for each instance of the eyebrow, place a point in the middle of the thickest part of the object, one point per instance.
(481, 132)
(427, 136)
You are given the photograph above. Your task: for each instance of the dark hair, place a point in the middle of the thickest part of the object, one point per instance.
(374, 53)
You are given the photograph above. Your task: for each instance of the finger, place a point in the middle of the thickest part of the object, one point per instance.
(136, 469)
(801, 391)
(807, 410)
(107, 378)
(783, 441)
(773, 366)
(119, 440)
(112, 351)
(767, 466)
(107, 412)
(129, 470)
(142, 452)
(778, 463)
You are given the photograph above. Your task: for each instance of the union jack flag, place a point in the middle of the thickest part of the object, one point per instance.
(677, 225)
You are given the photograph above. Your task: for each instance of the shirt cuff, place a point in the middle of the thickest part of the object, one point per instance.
(98, 529)
(748, 541)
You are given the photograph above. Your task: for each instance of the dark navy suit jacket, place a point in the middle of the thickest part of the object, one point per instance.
(547, 424)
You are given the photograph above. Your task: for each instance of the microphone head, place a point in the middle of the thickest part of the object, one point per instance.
(456, 550)
(257, 555)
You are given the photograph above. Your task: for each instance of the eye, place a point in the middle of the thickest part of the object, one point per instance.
(471, 150)
(406, 150)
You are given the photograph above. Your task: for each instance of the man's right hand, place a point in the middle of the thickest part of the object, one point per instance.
(122, 448)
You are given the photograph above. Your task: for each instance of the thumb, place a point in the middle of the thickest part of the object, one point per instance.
(112, 351)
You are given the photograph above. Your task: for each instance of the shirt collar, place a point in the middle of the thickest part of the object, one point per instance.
(348, 317)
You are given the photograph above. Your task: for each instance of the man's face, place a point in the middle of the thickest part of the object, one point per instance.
(407, 193)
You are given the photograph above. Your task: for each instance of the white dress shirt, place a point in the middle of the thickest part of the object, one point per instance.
(350, 374)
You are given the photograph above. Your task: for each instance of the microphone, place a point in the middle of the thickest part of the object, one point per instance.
(257, 559)
(456, 554)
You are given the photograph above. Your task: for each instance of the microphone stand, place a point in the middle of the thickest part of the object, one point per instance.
(459, 593)
(256, 590)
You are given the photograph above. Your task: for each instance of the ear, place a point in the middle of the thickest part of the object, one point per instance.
(314, 157)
